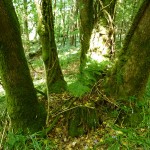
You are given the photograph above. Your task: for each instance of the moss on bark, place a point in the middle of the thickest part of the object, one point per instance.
(96, 30)
(130, 75)
(131, 72)
(81, 120)
(86, 19)
(22, 103)
(54, 77)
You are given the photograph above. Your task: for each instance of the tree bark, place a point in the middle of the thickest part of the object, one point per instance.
(26, 29)
(86, 20)
(131, 72)
(22, 104)
(54, 77)
(97, 30)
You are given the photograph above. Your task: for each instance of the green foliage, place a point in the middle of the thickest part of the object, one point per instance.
(78, 89)
(31, 17)
(123, 138)
(68, 55)
(15, 141)
(89, 76)
(66, 18)
(2, 103)
(93, 72)
(125, 12)
(21, 142)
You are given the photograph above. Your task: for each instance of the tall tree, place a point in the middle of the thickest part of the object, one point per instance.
(102, 38)
(86, 20)
(131, 72)
(26, 29)
(54, 77)
(74, 23)
(22, 104)
(128, 80)
(97, 29)
(125, 13)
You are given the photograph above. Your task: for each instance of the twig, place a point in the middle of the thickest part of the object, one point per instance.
(107, 99)
(59, 107)
(71, 109)
(44, 132)
(2, 138)
(103, 7)
(33, 68)
(42, 93)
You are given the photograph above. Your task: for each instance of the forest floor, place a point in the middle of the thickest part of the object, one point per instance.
(107, 135)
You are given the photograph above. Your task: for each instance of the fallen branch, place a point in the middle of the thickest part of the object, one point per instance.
(65, 110)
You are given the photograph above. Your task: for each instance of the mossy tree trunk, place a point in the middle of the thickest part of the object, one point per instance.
(22, 104)
(128, 80)
(86, 26)
(54, 77)
(97, 30)
(131, 73)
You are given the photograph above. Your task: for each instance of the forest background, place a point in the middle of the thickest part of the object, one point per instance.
(72, 48)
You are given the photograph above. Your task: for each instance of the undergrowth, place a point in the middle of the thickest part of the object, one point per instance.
(21, 142)
(108, 136)
(90, 75)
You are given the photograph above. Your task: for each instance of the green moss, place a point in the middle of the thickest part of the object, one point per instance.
(81, 120)
(130, 118)
(135, 24)
(58, 87)
(22, 103)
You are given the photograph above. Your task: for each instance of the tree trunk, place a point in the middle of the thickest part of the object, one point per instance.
(22, 104)
(97, 32)
(86, 20)
(131, 72)
(54, 77)
(74, 24)
(129, 77)
(26, 30)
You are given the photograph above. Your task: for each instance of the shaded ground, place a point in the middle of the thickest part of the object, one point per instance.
(107, 136)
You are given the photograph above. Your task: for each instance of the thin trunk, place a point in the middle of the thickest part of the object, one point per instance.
(73, 26)
(97, 30)
(26, 29)
(86, 26)
(54, 77)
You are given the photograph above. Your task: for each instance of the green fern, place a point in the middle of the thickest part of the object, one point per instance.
(93, 72)
(89, 76)
(78, 89)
